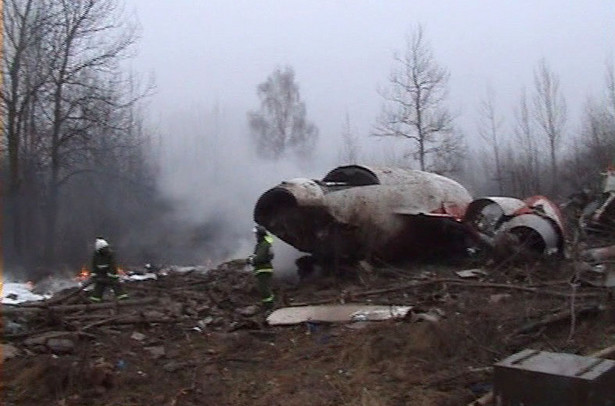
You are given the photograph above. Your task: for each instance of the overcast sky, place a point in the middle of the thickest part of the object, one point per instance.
(217, 51)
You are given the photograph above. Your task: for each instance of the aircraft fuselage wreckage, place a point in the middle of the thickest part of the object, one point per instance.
(358, 212)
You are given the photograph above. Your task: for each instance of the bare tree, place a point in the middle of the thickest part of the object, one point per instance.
(78, 144)
(597, 131)
(349, 153)
(414, 104)
(66, 101)
(489, 128)
(593, 148)
(550, 113)
(281, 124)
(449, 156)
(525, 150)
(25, 23)
(89, 39)
(610, 85)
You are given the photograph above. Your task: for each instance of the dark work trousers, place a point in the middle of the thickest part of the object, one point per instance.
(102, 282)
(264, 287)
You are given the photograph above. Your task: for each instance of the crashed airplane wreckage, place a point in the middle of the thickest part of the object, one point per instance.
(357, 212)
(598, 216)
(517, 228)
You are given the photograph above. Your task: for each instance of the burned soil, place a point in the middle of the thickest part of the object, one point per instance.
(196, 338)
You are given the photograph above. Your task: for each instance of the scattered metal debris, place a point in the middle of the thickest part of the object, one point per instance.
(336, 314)
(599, 275)
(432, 315)
(15, 293)
(599, 254)
(598, 216)
(137, 336)
(499, 297)
(471, 273)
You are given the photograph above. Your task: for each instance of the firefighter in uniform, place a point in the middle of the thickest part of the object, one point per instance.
(104, 270)
(261, 262)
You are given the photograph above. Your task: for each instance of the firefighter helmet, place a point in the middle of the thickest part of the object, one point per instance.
(100, 244)
(259, 230)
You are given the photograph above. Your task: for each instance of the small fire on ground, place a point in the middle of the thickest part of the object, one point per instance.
(84, 274)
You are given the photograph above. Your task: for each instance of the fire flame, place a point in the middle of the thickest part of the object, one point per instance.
(83, 274)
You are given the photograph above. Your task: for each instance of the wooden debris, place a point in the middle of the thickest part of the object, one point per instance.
(488, 398)
(456, 282)
(21, 310)
(555, 318)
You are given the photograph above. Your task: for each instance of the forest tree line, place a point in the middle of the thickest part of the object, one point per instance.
(79, 162)
(76, 154)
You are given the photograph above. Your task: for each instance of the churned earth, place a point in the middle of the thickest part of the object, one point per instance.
(195, 338)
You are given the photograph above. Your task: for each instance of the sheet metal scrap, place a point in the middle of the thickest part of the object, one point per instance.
(338, 313)
(599, 254)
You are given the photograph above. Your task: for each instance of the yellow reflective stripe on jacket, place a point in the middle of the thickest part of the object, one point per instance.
(269, 238)
(263, 270)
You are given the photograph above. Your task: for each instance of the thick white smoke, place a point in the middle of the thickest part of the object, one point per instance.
(209, 168)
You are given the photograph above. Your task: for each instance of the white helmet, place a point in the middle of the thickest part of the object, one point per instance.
(100, 244)
(259, 230)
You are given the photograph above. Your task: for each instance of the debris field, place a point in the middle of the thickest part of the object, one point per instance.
(195, 338)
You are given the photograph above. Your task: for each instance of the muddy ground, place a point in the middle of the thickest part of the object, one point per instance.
(192, 339)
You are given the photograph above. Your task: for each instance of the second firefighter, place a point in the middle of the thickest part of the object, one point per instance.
(263, 268)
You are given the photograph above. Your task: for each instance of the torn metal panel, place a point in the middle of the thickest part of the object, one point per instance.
(546, 208)
(541, 378)
(609, 180)
(599, 215)
(356, 211)
(471, 273)
(343, 313)
(605, 209)
(602, 275)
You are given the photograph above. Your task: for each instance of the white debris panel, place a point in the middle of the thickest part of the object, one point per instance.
(344, 313)
(15, 293)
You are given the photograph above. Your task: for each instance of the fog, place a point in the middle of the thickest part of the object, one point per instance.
(208, 57)
(210, 171)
